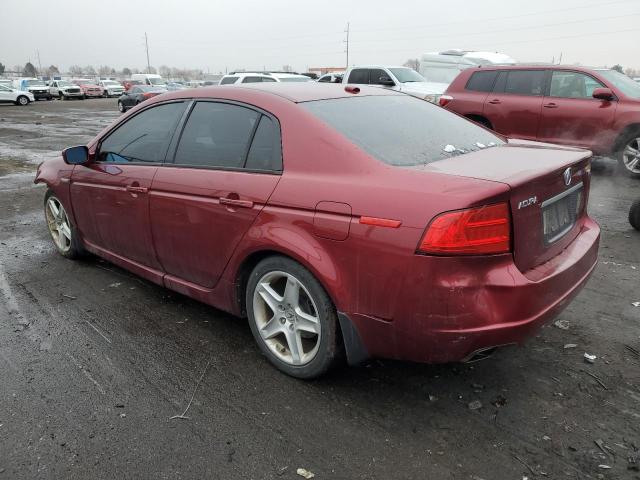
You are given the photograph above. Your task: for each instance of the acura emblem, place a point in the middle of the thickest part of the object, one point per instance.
(567, 176)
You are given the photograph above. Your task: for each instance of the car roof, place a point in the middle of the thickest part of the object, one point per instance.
(538, 66)
(294, 92)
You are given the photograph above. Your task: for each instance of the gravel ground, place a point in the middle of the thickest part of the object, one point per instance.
(94, 362)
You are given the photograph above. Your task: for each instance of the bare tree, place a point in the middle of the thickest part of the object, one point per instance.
(29, 70)
(1, 68)
(53, 70)
(75, 70)
(287, 68)
(412, 63)
(104, 70)
(89, 70)
(164, 71)
(126, 72)
(618, 68)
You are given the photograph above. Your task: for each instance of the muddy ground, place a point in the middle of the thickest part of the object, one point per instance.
(94, 362)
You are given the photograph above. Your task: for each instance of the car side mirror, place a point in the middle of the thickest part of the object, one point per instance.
(603, 94)
(76, 155)
(386, 81)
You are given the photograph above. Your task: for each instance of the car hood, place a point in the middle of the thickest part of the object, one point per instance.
(425, 88)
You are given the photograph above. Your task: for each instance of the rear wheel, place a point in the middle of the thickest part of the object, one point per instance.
(292, 318)
(634, 215)
(22, 100)
(62, 231)
(629, 154)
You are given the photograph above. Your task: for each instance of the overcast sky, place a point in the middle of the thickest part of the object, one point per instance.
(216, 35)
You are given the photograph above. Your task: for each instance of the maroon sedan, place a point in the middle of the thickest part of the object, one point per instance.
(355, 220)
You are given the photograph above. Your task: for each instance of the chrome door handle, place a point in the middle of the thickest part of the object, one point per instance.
(550, 105)
(495, 101)
(234, 202)
(132, 189)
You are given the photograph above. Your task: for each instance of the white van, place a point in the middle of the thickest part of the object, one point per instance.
(150, 79)
(443, 67)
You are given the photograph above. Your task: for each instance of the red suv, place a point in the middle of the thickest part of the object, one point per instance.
(598, 109)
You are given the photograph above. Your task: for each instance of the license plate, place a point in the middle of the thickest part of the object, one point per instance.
(559, 214)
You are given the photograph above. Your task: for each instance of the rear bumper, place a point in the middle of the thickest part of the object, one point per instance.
(450, 307)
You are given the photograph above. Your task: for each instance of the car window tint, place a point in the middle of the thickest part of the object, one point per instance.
(411, 131)
(143, 138)
(216, 135)
(268, 79)
(525, 82)
(482, 81)
(228, 80)
(252, 79)
(375, 74)
(572, 85)
(265, 151)
(359, 76)
(326, 78)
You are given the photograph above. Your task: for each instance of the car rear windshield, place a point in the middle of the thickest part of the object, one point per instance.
(402, 130)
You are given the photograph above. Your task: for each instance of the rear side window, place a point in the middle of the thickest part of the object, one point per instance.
(216, 135)
(228, 80)
(359, 76)
(375, 74)
(144, 138)
(482, 81)
(265, 152)
(252, 79)
(525, 82)
(411, 131)
(325, 78)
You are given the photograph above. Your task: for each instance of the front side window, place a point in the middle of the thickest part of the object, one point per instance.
(407, 75)
(375, 74)
(572, 85)
(631, 88)
(410, 132)
(143, 138)
(524, 82)
(216, 135)
(325, 78)
(359, 76)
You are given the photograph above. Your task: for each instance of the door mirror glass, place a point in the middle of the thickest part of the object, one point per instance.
(76, 155)
(603, 94)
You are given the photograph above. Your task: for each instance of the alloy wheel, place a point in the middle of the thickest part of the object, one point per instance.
(23, 100)
(58, 223)
(631, 155)
(287, 318)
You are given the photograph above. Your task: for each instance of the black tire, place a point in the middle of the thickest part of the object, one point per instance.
(628, 139)
(22, 100)
(121, 107)
(75, 250)
(634, 215)
(60, 96)
(329, 348)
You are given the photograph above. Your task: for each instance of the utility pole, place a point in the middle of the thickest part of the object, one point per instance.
(146, 42)
(39, 64)
(347, 42)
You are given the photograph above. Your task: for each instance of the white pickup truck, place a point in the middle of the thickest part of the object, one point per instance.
(401, 79)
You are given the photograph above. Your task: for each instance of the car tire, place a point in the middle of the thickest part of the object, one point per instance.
(307, 321)
(628, 154)
(63, 233)
(634, 215)
(60, 96)
(22, 100)
(121, 107)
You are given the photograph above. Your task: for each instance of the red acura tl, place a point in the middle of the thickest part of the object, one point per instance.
(339, 220)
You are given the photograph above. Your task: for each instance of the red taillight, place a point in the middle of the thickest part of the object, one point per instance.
(444, 100)
(475, 231)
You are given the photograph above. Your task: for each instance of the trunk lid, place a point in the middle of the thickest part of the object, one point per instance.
(549, 192)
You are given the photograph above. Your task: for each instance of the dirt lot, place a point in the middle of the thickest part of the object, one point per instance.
(94, 362)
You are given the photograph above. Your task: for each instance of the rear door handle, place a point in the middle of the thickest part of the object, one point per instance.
(495, 101)
(135, 189)
(234, 202)
(550, 105)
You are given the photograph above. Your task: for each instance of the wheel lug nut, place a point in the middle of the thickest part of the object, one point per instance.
(282, 320)
(291, 326)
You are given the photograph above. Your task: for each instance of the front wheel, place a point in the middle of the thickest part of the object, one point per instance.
(634, 215)
(629, 155)
(22, 100)
(121, 107)
(62, 231)
(292, 318)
